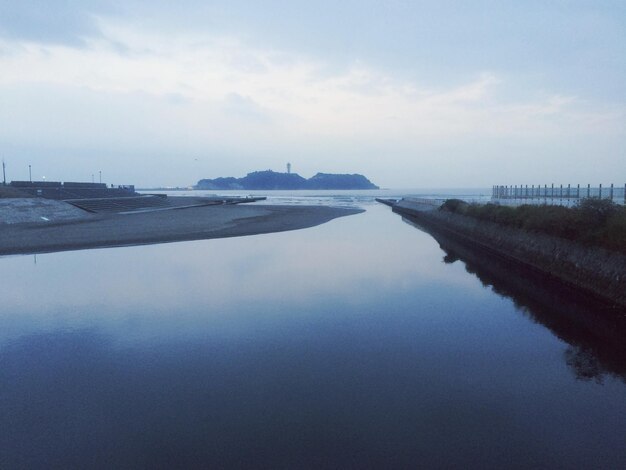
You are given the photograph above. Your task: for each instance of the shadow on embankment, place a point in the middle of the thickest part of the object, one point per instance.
(595, 332)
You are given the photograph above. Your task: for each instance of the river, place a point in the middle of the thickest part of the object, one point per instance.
(358, 343)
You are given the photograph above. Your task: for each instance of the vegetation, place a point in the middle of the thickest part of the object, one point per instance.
(593, 221)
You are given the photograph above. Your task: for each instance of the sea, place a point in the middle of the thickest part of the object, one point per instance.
(364, 342)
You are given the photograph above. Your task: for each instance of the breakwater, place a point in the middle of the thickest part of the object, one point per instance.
(596, 271)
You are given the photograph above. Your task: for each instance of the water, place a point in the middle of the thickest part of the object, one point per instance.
(358, 343)
(341, 197)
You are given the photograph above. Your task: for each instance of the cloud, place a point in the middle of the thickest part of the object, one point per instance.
(127, 89)
(298, 93)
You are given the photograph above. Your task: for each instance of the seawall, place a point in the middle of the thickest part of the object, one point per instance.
(38, 211)
(597, 271)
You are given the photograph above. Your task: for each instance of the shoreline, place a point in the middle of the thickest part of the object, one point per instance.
(183, 224)
(581, 320)
(596, 271)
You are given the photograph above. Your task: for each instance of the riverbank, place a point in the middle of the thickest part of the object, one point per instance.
(599, 272)
(594, 330)
(191, 223)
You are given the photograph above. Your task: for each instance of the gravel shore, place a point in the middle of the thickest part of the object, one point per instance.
(192, 223)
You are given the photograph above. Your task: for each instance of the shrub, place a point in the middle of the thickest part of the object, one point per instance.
(597, 211)
(597, 222)
(454, 205)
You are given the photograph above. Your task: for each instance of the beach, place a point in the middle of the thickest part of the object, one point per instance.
(190, 223)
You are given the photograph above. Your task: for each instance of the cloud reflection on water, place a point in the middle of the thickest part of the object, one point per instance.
(355, 260)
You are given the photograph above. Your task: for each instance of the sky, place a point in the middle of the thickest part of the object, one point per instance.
(412, 94)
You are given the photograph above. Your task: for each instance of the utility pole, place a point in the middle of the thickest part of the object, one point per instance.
(4, 173)
(30, 174)
(100, 173)
(92, 177)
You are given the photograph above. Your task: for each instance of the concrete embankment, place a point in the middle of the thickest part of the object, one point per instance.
(597, 271)
(38, 210)
(33, 210)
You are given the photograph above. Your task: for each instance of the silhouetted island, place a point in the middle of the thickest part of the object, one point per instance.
(269, 180)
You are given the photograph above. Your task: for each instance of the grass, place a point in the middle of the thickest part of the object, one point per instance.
(593, 222)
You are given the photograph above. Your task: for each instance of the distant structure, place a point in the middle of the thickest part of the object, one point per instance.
(73, 190)
(515, 195)
(288, 168)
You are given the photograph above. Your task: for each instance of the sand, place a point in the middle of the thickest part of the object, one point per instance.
(193, 223)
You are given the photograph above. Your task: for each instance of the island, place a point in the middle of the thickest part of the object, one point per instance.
(272, 180)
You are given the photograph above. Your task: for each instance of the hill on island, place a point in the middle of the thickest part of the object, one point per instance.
(269, 180)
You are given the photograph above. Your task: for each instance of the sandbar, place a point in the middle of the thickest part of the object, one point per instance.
(191, 223)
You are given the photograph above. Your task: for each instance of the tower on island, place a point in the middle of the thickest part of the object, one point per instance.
(288, 168)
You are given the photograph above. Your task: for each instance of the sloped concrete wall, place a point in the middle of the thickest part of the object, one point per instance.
(37, 210)
(593, 269)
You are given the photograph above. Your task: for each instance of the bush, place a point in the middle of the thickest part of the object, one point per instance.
(597, 211)
(454, 205)
(598, 222)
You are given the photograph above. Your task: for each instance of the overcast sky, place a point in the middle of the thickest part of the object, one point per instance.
(410, 93)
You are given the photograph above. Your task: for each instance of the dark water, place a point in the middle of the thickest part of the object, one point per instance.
(359, 343)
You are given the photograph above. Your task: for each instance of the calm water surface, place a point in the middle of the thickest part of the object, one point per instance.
(351, 344)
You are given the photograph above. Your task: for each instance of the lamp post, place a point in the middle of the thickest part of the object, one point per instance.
(30, 174)
(100, 175)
